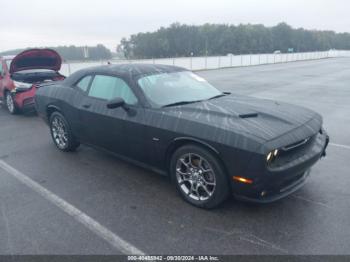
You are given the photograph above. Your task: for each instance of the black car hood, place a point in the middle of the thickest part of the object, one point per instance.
(264, 119)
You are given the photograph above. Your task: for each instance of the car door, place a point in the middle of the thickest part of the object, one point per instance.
(113, 129)
(75, 107)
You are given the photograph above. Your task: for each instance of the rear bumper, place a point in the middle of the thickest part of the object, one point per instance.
(280, 182)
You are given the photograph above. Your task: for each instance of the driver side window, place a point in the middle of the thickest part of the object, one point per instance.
(109, 87)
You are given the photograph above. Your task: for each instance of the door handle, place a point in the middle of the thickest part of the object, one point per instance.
(87, 105)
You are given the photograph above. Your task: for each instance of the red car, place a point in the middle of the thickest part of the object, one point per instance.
(21, 75)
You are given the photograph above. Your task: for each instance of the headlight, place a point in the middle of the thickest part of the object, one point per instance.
(21, 87)
(271, 156)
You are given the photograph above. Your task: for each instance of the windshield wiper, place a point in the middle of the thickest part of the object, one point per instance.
(182, 103)
(195, 101)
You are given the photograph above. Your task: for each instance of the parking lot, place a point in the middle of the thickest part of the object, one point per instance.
(137, 207)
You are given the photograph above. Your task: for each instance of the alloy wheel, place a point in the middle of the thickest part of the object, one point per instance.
(10, 103)
(195, 176)
(59, 132)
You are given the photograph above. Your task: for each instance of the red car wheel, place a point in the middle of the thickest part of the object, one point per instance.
(10, 103)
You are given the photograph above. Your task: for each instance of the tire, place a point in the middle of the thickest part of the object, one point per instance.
(61, 133)
(201, 180)
(10, 103)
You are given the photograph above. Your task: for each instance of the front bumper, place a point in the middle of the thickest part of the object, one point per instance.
(281, 181)
(24, 100)
(277, 193)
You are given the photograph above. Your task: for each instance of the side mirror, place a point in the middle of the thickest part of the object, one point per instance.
(115, 103)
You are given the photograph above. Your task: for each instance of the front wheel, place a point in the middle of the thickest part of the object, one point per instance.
(10, 103)
(61, 133)
(199, 176)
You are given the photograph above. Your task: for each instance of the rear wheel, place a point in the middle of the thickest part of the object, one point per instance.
(10, 103)
(199, 176)
(61, 133)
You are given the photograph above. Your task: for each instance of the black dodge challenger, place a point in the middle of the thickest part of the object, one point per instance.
(166, 118)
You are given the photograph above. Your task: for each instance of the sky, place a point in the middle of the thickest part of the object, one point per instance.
(40, 23)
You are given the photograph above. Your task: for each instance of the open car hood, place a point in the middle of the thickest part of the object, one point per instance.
(36, 59)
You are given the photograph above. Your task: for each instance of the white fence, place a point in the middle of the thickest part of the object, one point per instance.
(214, 62)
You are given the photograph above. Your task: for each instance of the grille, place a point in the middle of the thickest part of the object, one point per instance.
(295, 145)
(293, 151)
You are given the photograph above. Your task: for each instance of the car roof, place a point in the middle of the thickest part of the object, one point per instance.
(136, 69)
(130, 71)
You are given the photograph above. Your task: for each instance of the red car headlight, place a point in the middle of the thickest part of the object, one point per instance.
(21, 86)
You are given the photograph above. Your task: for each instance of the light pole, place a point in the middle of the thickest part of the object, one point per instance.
(191, 60)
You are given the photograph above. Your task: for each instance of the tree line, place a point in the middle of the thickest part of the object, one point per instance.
(220, 39)
(99, 52)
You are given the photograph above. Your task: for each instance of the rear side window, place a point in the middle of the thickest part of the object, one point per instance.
(83, 84)
(109, 87)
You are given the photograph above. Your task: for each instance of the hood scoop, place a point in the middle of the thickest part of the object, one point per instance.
(249, 115)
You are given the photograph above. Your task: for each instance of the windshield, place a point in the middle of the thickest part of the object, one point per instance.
(180, 87)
